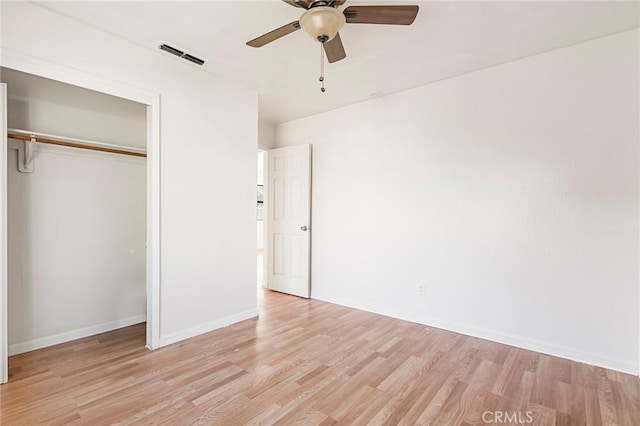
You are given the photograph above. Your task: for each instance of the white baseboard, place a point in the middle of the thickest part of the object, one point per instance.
(504, 338)
(207, 327)
(68, 336)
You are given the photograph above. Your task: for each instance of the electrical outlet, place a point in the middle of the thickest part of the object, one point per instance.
(421, 289)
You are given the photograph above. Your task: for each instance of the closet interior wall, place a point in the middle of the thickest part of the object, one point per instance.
(77, 223)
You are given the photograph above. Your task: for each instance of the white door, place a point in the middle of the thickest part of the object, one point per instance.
(4, 352)
(289, 219)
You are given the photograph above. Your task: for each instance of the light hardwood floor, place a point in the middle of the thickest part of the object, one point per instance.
(309, 362)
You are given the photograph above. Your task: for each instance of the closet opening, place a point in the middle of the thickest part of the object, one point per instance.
(77, 213)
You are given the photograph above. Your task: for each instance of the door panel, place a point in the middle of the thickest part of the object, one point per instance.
(289, 198)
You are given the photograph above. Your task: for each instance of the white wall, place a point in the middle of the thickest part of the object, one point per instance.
(510, 195)
(207, 167)
(77, 224)
(47, 106)
(266, 134)
(77, 231)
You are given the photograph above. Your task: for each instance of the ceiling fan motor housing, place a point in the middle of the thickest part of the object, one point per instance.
(322, 23)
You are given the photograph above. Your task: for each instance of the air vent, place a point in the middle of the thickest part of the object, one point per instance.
(180, 54)
(193, 59)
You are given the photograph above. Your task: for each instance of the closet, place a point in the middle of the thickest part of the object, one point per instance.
(76, 212)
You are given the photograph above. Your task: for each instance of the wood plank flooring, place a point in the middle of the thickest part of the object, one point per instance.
(312, 363)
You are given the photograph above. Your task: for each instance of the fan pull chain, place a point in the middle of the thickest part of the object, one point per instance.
(321, 79)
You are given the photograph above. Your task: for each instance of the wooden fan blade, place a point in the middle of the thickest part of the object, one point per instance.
(304, 4)
(392, 15)
(334, 49)
(274, 35)
(335, 3)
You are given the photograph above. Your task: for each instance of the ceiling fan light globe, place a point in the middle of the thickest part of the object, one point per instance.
(322, 23)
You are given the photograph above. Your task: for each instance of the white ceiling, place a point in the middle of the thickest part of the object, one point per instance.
(446, 39)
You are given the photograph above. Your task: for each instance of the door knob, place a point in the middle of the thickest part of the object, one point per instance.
(303, 228)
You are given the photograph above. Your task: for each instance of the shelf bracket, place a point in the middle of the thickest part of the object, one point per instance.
(27, 158)
(25, 154)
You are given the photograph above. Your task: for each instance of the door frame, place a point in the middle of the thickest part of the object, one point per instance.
(4, 332)
(265, 214)
(31, 65)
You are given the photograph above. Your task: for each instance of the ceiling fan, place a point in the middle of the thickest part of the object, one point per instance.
(322, 20)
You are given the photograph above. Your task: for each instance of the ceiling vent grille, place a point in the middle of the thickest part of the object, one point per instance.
(179, 53)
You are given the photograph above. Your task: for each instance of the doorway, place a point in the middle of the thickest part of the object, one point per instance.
(150, 230)
(261, 221)
(76, 214)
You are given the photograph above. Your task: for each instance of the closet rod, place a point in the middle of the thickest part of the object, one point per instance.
(40, 139)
